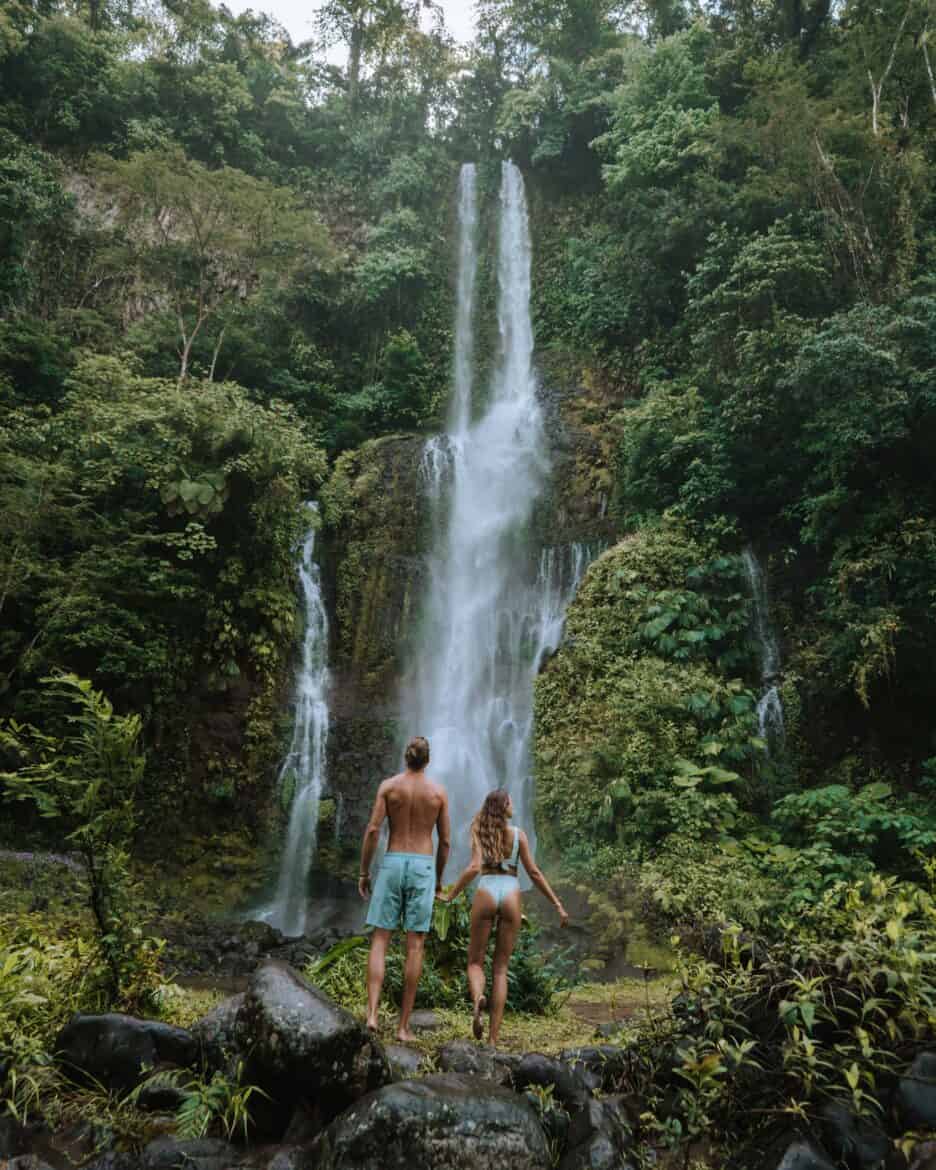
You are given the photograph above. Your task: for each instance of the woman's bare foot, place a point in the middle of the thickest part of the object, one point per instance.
(372, 1025)
(405, 1036)
(477, 1026)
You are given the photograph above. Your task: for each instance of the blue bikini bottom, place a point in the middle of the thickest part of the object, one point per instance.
(498, 885)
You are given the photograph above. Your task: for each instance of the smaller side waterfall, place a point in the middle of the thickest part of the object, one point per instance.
(302, 775)
(769, 707)
(560, 574)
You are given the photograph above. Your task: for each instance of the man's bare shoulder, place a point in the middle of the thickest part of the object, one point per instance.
(437, 789)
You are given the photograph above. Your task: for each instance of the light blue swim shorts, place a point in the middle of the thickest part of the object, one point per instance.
(404, 893)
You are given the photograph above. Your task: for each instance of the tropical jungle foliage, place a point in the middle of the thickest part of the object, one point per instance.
(225, 283)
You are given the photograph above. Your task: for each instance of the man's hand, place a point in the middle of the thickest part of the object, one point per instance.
(563, 915)
(364, 886)
(442, 896)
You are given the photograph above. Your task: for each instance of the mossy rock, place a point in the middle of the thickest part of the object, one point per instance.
(613, 715)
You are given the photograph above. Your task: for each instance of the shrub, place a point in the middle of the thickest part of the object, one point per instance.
(691, 883)
(88, 778)
(833, 1011)
(533, 982)
(638, 712)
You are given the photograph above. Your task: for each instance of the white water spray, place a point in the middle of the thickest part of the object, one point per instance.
(769, 707)
(302, 773)
(493, 611)
(460, 408)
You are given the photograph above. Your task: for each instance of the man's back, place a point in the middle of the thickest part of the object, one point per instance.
(413, 803)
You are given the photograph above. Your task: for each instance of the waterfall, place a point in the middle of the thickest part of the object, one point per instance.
(492, 610)
(460, 408)
(769, 707)
(302, 773)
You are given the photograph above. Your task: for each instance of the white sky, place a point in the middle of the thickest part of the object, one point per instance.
(296, 16)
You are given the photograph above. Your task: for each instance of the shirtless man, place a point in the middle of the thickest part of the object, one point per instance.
(408, 881)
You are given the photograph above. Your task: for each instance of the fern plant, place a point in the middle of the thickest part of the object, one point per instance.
(222, 1102)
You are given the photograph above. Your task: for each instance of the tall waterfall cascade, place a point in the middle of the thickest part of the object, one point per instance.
(769, 707)
(302, 773)
(495, 605)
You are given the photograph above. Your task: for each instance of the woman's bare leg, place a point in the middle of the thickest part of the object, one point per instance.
(483, 911)
(508, 926)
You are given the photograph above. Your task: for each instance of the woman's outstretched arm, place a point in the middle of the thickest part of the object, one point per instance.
(538, 879)
(467, 875)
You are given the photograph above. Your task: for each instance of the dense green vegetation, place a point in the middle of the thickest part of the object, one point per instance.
(225, 270)
(217, 266)
(734, 229)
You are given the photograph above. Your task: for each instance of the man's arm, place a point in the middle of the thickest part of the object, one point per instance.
(467, 875)
(444, 830)
(371, 837)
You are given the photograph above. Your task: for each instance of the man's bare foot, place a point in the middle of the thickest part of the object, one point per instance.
(477, 1026)
(405, 1036)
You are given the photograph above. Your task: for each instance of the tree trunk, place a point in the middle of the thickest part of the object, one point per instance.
(878, 86)
(184, 355)
(355, 55)
(214, 356)
(929, 65)
(875, 104)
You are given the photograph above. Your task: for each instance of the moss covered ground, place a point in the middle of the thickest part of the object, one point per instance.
(574, 1022)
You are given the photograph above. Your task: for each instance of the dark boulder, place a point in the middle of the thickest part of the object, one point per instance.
(405, 1062)
(113, 1049)
(217, 1032)
(446, 1122)
(602, 1066)
(303, 1050)
(599, 1137)
(114, 1160)
(161, 1099)
(26, 1162)
(923, 1156)
(803, 1155)
(425, 1020)
(476, 1060)
(290, 1158)
(571, 1086)
(13, 1137)
(167, 1153)
(555, 1121)
(916, 1093)
(856, 1141)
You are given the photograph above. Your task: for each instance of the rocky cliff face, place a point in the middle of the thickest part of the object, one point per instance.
(376, 528)
(377, 533)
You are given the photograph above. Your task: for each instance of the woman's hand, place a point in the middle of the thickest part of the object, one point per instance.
(563, 915)
(442, 896)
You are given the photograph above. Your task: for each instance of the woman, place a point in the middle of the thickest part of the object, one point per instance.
(496, 848)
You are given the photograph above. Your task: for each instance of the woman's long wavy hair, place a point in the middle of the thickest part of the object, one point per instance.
(490, 827)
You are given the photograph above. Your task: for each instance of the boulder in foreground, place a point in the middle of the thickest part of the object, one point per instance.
(445, 1122)
(303, 1049)
(114, 1049)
